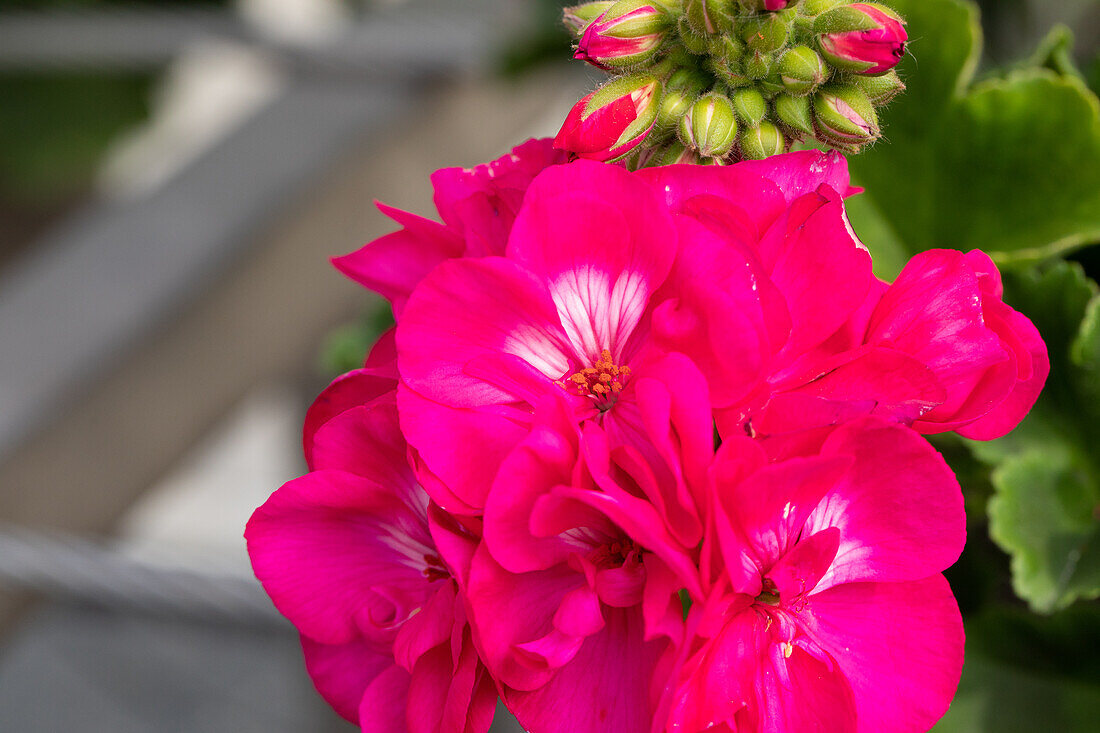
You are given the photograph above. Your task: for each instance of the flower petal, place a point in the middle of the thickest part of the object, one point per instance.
(899, 508)
(900, 645)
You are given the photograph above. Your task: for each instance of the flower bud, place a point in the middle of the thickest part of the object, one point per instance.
(730, 74)
(795, 114)
(765, 32)
(628, 33)
(727, 48)
(675, 153)
(710, 17)
(864, 38)
(845, 117)
(749, 106)
(762, 141)
(880, 89)
(674, 105)
(613, 120)
(694, 41)
(577, 17)
(756, 65)
(709, 126)
(802, 71)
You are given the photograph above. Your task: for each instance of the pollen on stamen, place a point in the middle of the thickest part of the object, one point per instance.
(603, 381)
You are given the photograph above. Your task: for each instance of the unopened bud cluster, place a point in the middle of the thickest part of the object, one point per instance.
(715, 81)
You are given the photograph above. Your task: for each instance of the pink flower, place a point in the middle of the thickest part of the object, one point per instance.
(613, 120)
(477, 207)
(565, 312)
(351, 554)
(865, 38)
(824, 609)
(573, 591)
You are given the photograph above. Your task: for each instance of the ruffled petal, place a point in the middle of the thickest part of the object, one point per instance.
(899, 508)
(900, 646)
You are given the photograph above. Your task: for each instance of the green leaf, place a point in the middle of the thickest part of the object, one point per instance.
(1010, 165)
(1044, 515)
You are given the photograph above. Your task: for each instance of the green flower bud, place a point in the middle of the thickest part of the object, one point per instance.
(727, 48)
(694, 41)
(845, 117)
(674, 105)
(770, 85)
(711, 17)
(687, 79)
(675, 153)
(730, 74)
(710, 126)
(880, 89)
(768, 32)
(795, 114)
(577, 17)
(756, 65)
(762, 141)
(749, 106)
(802, 71)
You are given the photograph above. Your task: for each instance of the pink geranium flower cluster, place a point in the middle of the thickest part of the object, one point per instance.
(520, 494)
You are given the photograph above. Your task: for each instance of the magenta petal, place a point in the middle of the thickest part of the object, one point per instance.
(393, 265)
(800, 570)
(469, 308)
(604, 688)
(579, 613)
(443, 437)
(342, 672)
(749, 678)
(933, 312)
(367, 441)
(428, 628)
(383, 709)
(358, 387)
(900, 645)
(713, 313)
(679, 184)
(821, 268)
(319, 546)
(603, 243)
(514, 619)
(802, 694)
(1032, 367)
(800, 173)
(896, 524)
(771, 506)
(544, 460)
(888, 382)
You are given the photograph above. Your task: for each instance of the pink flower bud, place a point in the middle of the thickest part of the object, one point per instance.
(613, 120)
(628, 33)
(864, 38)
